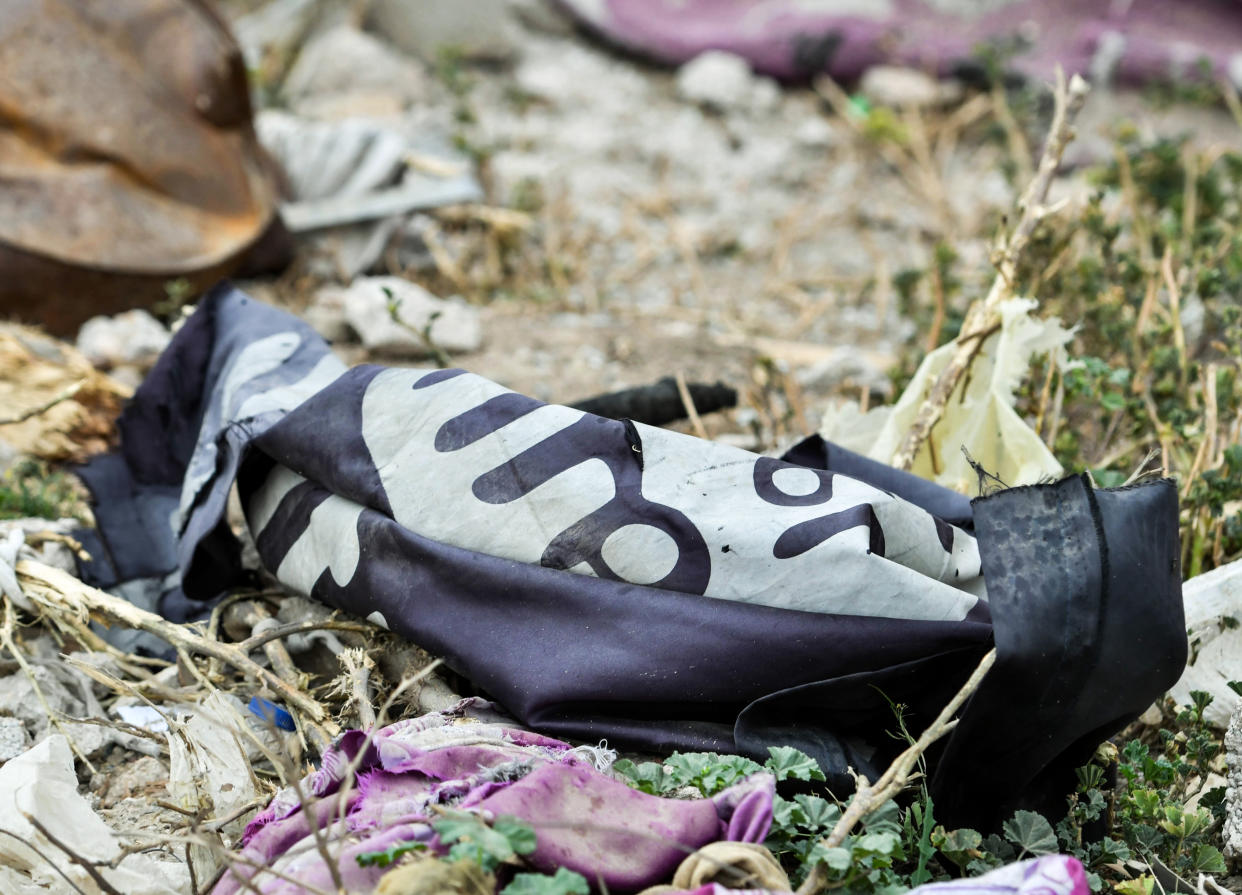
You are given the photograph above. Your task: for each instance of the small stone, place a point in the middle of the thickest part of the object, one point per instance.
(1153, 717)
(716, 79)
(326, 313)
(815, 133)
(134, 337)
(14, 739)
(145, 776)
(480, 29)
(456, 327)
(890, 85)
(346, 63)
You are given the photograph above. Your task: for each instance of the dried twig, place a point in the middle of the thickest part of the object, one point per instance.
(687, 401)
(7, 642)
(983, 316)
(57, 590)
(72, 854)
(871, 796)
(45, 406)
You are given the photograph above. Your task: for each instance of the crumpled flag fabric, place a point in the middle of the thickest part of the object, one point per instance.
(600, 578)
(374, 792)
(1134, 42)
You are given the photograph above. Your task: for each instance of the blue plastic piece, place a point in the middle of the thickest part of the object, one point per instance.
(272, 713)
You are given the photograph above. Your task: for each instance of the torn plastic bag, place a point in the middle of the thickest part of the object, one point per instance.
(1133, 42)
(389, 787)
(128, 157)
(607, 579)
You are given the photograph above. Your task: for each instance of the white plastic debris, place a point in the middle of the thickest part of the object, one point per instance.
(457, 327)
(208, 765)
(1213, 603)
(343, 172)
(10, 545)
(983, 419)
(143, 716)
(41, 783)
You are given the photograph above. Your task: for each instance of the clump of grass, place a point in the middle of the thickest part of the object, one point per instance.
(30, 488)
(1151, 270)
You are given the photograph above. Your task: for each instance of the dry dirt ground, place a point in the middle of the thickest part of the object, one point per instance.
(756, 244)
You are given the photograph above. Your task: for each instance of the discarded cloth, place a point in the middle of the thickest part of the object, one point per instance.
(1134, 42)
(128, 157)
(605, 579)
(1048, 875)
(374, 792)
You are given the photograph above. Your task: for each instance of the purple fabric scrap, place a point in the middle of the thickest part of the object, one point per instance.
(584, 819)
(1129, 43)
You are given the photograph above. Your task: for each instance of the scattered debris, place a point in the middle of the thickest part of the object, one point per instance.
(1213, 603)
(353, 171)
(660, 403)
(57, 406)
(71, 843)
(981, 419)
(133, 338)
(397, 318)
(481, 29)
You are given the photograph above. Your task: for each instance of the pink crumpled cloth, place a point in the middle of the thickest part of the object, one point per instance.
(584, 819)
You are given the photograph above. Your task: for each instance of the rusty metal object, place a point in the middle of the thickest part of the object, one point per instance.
(128, 155)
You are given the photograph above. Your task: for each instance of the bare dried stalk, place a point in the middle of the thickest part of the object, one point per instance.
(60, 591)
(45, 406)
(7, 641)
(983, 316)
(871, 796)
(687, 401)
(89, 866)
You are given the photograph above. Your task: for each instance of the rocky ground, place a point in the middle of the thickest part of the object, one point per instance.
(703, 221)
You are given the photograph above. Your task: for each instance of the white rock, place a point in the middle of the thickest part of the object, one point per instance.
(890, 85)
(134, 337)
(346, 62)
(717, 79)
(815, 133)
(457, 328)
(326, 313)
(1213, 603)
(14, 739)
(1232, 833)
(478, 29)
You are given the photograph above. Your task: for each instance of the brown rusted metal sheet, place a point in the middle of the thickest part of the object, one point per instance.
(127, 154)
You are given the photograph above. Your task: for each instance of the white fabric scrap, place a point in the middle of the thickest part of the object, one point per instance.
(983, 419)
(41, 783)
(1213, 603)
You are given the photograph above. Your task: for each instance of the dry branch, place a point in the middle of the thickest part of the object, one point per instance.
(59, 591)
(984, 317)
(871, 796)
